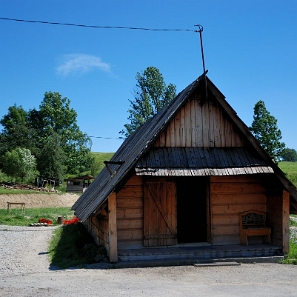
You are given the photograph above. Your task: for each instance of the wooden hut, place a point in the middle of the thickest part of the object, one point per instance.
(191, 176)
(78, 184)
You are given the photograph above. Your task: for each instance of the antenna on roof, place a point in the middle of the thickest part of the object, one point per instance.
(200, 29)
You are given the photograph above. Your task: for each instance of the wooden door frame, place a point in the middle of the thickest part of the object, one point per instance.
(207, 222)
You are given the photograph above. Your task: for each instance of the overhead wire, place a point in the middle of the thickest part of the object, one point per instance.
(101, 137)
(95, 26)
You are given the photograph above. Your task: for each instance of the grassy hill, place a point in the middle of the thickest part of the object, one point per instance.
(100, 158)
(290, 169)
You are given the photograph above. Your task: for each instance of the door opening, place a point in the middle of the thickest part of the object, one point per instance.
(191, 209)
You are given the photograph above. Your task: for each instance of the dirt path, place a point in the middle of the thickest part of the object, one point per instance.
(40, 200)
(23, 251)
(25, 271)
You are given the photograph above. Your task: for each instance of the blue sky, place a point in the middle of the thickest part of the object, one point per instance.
(250, 52)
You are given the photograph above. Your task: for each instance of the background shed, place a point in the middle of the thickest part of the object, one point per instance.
(78, 184)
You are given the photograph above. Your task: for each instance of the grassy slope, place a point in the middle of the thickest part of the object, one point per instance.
(290, 169)
(101, 157)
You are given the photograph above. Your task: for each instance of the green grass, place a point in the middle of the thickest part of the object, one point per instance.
(71, 245)
(290, 169)
(291, 258)
(100, 158)
(293, 222)
(15, 217)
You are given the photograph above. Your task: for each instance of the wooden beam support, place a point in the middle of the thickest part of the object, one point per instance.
(286, 221)
(112, 222)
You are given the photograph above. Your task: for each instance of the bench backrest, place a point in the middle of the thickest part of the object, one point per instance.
(252, 218)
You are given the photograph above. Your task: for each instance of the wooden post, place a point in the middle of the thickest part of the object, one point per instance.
(112, 222)
(286, 221)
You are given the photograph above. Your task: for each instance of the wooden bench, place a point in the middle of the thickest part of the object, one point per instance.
(253, 223)
(22, 204)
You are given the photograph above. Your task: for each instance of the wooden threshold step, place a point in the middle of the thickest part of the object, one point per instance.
(217, 264)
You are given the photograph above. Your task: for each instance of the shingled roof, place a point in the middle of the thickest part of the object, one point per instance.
(138, 144)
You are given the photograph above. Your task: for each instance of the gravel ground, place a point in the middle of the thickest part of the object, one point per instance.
(25, 271)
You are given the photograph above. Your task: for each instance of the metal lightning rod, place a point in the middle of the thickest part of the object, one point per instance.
(200, 30)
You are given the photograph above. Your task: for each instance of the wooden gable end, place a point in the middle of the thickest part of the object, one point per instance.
(200, 125)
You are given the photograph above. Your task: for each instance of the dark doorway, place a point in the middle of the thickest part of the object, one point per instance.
(191, 209)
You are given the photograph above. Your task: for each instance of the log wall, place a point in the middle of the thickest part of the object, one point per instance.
(278, 218)
(130, 214)
(200, 126)
(229, 196)
(98, 227)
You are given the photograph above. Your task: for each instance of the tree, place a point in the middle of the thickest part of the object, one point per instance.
(16, 131)
(20, 163)
(289, 155)
(34, 130)
(264, 128)
(150, 95)
(55, 116)
(51, 159)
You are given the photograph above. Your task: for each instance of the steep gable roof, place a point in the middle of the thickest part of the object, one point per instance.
(137, 144)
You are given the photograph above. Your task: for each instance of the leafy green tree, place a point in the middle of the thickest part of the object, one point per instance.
(20, 163)
(51, 159)
(264, 128)
(150, 95)
(34, 130)
(16, 131)
(289, 155)
(56, 116)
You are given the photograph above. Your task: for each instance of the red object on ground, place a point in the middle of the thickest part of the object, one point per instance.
(72, 221)
(49, 222)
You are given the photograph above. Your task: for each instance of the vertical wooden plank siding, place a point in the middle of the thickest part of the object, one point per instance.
(212, 116)
(112, 214)
(217, 128)
(130, 214)
(160, 218)
(198, 141)
(229, 196)
(193, 121)
(200, 126)
(177, 135)
(188, 125)
(205, 124)
(182, 128)
(286, 221)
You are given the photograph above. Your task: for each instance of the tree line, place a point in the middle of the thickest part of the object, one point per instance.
(45, 141)
(48, 142)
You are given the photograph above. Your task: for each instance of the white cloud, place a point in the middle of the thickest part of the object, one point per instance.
(81, 63)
